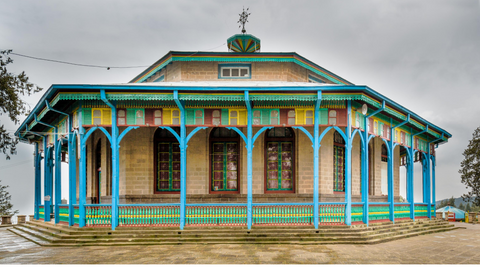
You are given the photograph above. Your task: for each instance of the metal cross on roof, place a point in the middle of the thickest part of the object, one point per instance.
(243, 19)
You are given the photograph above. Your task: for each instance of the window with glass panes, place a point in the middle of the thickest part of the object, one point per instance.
(232, 71)
(216, 117)
(224, 160)
(279, 160)
(332, 117)
(157, 117)
(122, 117)
(167, 161)
(291, 117)
(338, 162)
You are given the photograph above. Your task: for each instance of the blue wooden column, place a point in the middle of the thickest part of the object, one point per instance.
(316, 149)
(82, 183)
(48, 179)
(249, 161)
(365, 168)
(348, 167)
(391, 147)
(58, 163)
(38, 191)
(426, 181)
(411, 179)
(183, 159)
(114, 143)
(58, 177)
(72, 174)
(433, 179)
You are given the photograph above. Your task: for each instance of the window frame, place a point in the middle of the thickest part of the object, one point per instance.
(265, 158)
(338, 145)
(211, 141)
(171, 141)
(221, 67)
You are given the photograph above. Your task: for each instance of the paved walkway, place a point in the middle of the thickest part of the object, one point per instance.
(461, 246)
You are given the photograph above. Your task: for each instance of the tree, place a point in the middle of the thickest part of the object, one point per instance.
(451, 202)
(468, 208)
(470, 169)
(5, 205)
(461, 206)
(11, 88)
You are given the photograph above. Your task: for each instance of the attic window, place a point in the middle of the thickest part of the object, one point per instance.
(234, 71)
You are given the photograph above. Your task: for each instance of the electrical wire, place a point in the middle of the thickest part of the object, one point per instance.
(73, 64)
(92, 66)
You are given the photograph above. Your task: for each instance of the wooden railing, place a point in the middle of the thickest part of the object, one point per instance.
(357, 213)
(148, 215)
(41, 212)
(421, 210)
(98, 215)
(216, 215)
(378, 212)
(401, 211)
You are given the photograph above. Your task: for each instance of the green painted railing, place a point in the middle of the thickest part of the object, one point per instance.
(434, 214)
(421, 210)
(149, 216)
(402, 211)
(283, 215)
(378, 212)
(357, 213)
(63, 213)
(41, 212)
(98, 215)
(331, 214)
(216, 215)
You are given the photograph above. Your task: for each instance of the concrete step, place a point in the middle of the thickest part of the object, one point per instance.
(31, 236)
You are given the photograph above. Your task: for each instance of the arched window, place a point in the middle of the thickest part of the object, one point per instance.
(280, 160)
(338, 163)
(167, 161)
(384, 170)
(332, 117)
(224, 157)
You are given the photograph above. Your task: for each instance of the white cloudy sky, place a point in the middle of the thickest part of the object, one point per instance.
(423, 54)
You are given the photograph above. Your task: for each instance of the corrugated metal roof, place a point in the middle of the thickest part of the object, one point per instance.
(459, 214)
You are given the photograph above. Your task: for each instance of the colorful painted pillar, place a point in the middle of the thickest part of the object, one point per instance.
(183, 159)
(433, 179)
(348, 165)
(82, 183)
(58, 164)
(249, 161)
(316, 148)
(365, 168)
(391, 147)
(410, 181)
(38, 191)
(48, 172)
(411, 167)
(426, 185)
(72, 173)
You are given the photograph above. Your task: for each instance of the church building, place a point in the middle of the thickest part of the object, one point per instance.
(238, 138)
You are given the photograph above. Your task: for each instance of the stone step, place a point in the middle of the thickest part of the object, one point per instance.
(31, 236)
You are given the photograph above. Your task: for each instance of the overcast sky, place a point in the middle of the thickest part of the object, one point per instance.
(425, 55)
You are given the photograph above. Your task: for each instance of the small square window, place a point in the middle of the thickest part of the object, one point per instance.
(233, 71)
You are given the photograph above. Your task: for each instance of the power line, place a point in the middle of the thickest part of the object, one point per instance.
(73, 64)
(88, 65)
